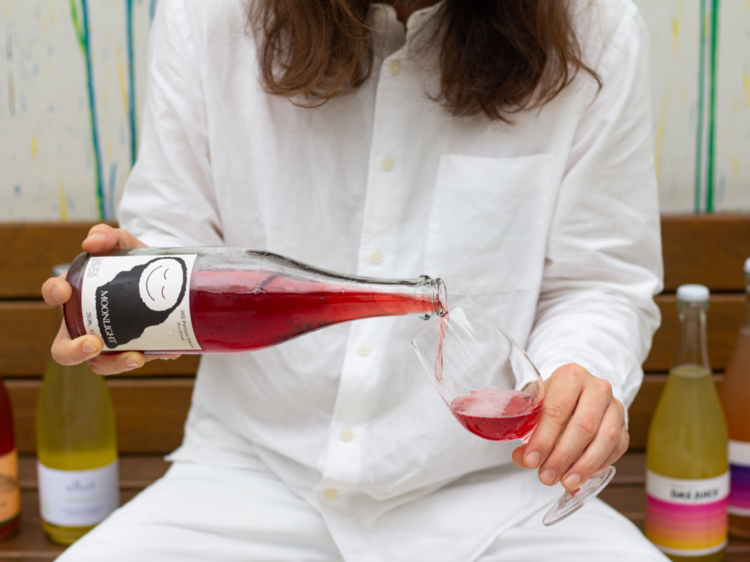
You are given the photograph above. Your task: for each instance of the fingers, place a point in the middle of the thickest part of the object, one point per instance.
(116, 363)
(581, 431)
(67, 351)
(56, 291)
(563, 389)
(103, 238)
(608, 445)
(622, 447)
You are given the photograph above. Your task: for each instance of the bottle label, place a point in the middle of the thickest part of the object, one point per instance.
(10, 492)
(139, 302)
(78, 498)
(687, 517)
(739, 466)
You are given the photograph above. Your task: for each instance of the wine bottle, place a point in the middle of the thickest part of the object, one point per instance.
(220, 300)
(10, 493)
(76, 451)
(687, 479)
(735, 397)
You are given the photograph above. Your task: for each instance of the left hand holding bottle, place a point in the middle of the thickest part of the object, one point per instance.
(56, 292)
(581, 429)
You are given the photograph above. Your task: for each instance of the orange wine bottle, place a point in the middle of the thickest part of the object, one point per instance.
(735, 397)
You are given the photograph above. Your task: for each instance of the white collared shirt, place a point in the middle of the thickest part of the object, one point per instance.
(549, 223)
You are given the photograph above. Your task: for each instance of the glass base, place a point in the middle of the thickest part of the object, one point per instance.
(570, 502)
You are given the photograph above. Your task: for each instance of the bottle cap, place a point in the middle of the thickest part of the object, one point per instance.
(59, 269)
(693, 293)
(747, 265)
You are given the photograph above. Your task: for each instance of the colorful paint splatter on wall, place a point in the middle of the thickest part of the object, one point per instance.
(72, 84)
(71, 88)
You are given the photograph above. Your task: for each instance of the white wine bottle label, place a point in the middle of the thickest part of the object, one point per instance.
(687, 517)
(78, 498)
(10, 493)
(739, 466)
(139, 302)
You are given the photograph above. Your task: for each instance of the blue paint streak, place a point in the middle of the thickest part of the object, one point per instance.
(152, 9)
(92, 106)
(131, 79)
(17, 189)
(111, 190)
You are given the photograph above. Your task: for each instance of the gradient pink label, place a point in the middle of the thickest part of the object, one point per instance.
(687, 517)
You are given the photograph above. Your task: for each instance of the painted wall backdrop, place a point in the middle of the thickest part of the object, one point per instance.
(72, 78)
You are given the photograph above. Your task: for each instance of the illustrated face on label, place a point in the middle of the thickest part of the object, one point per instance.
(162, 283)
(137, 298)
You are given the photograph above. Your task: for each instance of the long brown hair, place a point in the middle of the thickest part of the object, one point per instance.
(497, 57)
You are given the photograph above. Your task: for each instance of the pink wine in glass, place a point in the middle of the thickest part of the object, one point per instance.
(220, 300)
(495, 414)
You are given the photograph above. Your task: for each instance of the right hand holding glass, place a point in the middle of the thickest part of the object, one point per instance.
(56, 292)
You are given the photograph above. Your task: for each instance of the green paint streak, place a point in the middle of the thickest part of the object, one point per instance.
(81, 26)
(131, 81)
(77, 25)
(712, 107)
(699, 133)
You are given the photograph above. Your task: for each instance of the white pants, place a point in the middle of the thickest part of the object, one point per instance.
(206, 513)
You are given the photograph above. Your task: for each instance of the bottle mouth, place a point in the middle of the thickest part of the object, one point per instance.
(442, 297)
(439, 295)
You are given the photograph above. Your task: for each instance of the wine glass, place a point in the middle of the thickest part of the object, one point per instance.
(491, 386)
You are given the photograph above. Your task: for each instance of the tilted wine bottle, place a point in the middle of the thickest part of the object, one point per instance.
(220, 300)
(687, 479)
(76, 451)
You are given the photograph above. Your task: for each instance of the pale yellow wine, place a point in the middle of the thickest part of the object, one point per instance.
(688, 436)
(76, 438)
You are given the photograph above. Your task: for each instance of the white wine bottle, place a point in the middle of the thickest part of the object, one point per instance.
(76, 450)
(687, 479)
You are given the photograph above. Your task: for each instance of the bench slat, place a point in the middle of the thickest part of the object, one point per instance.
(145, 425)
(150, 413)
(707, 249)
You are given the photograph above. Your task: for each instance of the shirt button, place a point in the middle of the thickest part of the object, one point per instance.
(388, 164)
(363, 349)
(376, 257)
(395, 67)
(346, 435)
(330, 493)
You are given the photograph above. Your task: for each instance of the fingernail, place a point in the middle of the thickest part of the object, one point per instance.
(94, 238)
(572, 481)
(532, 459)
(130, 362)
(548, 477)
(88, 347)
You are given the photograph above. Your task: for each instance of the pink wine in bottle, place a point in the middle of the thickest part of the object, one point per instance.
(495, 414)
(220, 300)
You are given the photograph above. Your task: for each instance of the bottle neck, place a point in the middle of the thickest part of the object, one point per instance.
(692, 349)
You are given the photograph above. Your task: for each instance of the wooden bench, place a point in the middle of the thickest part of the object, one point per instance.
(707, 250)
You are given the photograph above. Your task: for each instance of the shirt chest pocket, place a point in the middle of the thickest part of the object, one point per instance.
(489, 223)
